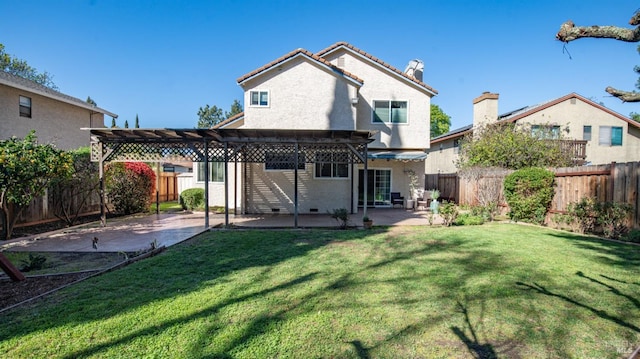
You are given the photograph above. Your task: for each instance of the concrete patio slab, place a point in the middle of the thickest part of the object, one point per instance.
(137, 233)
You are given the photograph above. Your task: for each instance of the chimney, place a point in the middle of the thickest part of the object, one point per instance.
(485, 109)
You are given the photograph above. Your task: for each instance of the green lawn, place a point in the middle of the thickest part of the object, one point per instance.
(498, 290)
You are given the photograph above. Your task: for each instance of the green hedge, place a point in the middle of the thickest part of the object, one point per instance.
(192, 198)
(529, 193)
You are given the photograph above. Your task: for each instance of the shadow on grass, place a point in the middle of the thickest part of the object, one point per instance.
(611, 288)
(600, 313)
(188, 266)
(609, 252)
(476, 349)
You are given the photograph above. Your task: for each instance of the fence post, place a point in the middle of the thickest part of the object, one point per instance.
(612, 181)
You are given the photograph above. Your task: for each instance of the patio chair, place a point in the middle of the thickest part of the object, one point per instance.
(397, 199)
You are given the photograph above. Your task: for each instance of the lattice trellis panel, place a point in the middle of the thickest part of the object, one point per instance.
(278, 154)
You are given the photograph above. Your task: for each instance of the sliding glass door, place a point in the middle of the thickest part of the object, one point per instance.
(378, 188)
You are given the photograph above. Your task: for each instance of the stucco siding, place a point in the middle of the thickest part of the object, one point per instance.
(574, 114)
(273, 191)
(302, 95)
(380, 85)
(441, 158)
(54, 121)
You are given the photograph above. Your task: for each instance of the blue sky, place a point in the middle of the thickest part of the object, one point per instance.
(163, 60)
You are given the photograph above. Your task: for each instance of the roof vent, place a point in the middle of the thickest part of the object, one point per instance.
(414, 69)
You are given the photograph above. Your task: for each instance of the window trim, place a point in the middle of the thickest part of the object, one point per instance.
(390, 122)
(213, 165)
(259, 92)
(24, 106)
(333, 167)
(609, 142)
(584, 132)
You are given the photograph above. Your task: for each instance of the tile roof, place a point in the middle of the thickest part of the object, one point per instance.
(376, 60)
(294, 53)
(233, 118)
(28, 85)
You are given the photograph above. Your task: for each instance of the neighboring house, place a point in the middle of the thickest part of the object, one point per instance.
(597, 133)
(57, 118)
(338, 88)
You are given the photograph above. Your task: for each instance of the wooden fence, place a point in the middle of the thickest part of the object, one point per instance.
(615, 182)
(44, 209)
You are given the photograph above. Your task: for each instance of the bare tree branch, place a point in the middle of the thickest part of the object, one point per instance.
(625, 96)
(569, 32)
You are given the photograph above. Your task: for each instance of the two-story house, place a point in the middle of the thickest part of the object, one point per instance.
(338, 88)
(57, 118)
(599, 135)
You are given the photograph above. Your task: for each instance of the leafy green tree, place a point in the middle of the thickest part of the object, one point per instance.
(236, 108)
(126, 124)
(529, 192)
(137, 121)
(27, 169)
(513, 147)
(635, 116)
(91, 101)
(71, 194)
(113, 123)
(18, 67)
(440, 121)
(209, 116)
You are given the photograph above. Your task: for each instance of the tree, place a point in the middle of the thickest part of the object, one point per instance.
(635, 116)
(570, 32)
(18, 67)
(113, 123)
(440, 121)
(236, 108)
(27, 170)
(91, 101)
(137, 121)
(126, 124)
(512, 147)
(209, 116)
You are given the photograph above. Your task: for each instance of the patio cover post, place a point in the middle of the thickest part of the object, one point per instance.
(295, 187)
(103, 202)
(366, 181)
(206, 183)
(226, 185)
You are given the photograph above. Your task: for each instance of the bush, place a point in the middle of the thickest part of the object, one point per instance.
(529, 193)
(130, 186)
(341, 215)
(468, 219)
(632, 236)
(192, 198)
(449, 212)
(583, 214)
(612, 217)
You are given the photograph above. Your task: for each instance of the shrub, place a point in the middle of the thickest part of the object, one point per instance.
(468, 219)
(632, 236)
(341, 215)
(35, 262)
(449, 212)
(130, 186)
(582, 215)
(192, 198)
(529, 193)
(612, 217)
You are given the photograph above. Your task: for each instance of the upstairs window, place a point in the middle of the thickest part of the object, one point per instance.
(456, 145)
(586, 133)
(327, 167)
(259, 98)
(216, 173)
(390, 112)
(25, 106)
(546, 132)
(610, 136)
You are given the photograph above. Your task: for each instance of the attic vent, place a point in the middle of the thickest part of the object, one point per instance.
(313, 210)
(275, 210)
(341, 61)
(573, 101)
